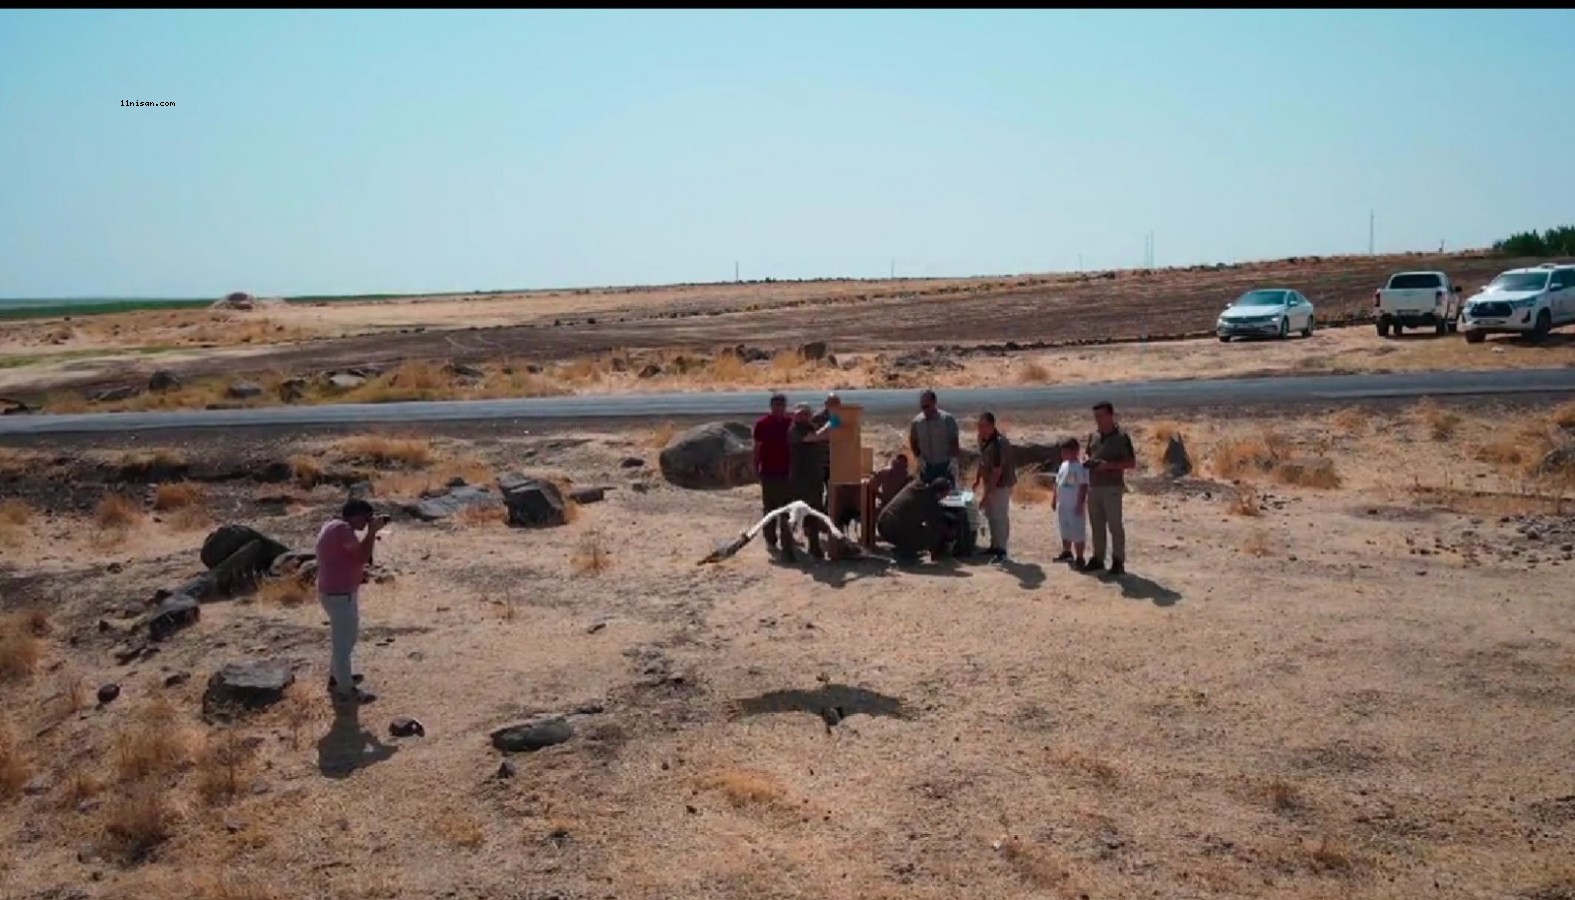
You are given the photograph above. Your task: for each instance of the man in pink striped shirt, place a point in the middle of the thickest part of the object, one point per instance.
(342, 558)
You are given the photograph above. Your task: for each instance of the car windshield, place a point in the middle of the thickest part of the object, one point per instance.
(1520, 281)
(1261, 298)
(1411, 281)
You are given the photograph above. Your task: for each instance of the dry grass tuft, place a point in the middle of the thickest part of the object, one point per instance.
(1317, 472)
(744, 787)
(1273, 454)
(459, 830)
(176, 495)
(162, 458)
(1036, 867)
(138, 822)
(663, 434)
(1258, 544)
(306, 471)
(1101, 771)
(152, 744)
(1033, 488)
(1331, 856)
(20, 646)
(15, 768)
(482, 514)
(384, 451)
(17, 462)
(223, 770)
(1564, 416)
(1245, 502)
(117, 512)
(591, 557)
(79, 787)
(287, 591)
(1350, 420)
(1033, 372)
(190, 518)
(1284, 796)
(1441, 423)
(15, 512)
(298, 711)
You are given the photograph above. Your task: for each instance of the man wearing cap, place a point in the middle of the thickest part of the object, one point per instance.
(1110, 455)
(807, 461)
(342, 558)
(773, 464)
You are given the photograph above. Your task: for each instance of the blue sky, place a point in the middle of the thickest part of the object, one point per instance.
(345, 152)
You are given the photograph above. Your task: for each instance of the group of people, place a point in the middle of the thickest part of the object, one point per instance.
(910, 509)
(793, 462)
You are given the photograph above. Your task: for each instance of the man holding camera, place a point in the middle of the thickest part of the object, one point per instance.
(342, 558)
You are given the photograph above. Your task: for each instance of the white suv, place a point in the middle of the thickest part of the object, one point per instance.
(1522, 301)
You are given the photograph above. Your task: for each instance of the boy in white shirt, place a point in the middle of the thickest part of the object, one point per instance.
(1070, 501)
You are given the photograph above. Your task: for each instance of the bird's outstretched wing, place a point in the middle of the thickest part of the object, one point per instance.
(796, 512)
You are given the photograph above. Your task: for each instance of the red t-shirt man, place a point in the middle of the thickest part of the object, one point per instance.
(771, 441)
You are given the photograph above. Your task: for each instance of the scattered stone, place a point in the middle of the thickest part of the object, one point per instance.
(532, 503)
(434, 509)
(463, 371)
(174, 613)
(275, 471)
(404, 726)
(649, 370)
(506, 770)
(814, 351)
(244, 390)
(585, 496)
(129, 653)
(362, 490)
(595, 627)
(713, 456)
(163, 380)
(631, 462)
(114, 568)
(532, 736)
(176, 679)
(13, 407)
(1178, 462)
(251, 685)
(107, 693)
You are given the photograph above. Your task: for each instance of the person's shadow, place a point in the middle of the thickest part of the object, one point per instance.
(348, 746)
(1028, 575)
(1136, 587)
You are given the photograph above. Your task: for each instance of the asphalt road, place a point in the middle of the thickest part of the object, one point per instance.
(1260, 392)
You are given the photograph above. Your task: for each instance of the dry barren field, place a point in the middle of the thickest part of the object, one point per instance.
(1342, 666)
(940, 332)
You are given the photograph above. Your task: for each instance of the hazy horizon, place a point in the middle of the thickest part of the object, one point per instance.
(406, 152)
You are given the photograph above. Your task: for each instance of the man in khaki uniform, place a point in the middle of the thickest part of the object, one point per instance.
(1110, 455)
(997, 476)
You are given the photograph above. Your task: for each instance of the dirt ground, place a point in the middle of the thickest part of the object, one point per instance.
(547, 327)
(1331, 673)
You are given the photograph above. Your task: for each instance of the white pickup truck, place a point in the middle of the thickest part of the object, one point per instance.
(1417, 300)
(1529, 302)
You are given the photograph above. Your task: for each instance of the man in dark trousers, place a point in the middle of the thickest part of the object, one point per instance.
(1110, 455)
(772, 464)
(807, 454)
(914, 522)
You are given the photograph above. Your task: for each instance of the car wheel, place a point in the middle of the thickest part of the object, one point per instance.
(1285, 328)
(1224, 338)
(1475, 337)
(1454, 325)
(1307, 332)
(1544, 326)
(1383, 328)
(1442, 328)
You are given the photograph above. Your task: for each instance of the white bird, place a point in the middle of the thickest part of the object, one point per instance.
(796, 513)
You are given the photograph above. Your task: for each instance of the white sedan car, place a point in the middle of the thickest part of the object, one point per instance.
(1268, 312)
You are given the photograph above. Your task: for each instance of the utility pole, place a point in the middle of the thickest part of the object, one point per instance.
(1080, 262)
(1371, 217)
(735, 271)
(894, 267)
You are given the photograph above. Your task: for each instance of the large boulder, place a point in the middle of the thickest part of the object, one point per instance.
(432, 509)
(713, 456)
(532, 502)
(1178, 462)
(163, 380)
(227, 539)
(532, 736)
(246, 686)
(174, 613)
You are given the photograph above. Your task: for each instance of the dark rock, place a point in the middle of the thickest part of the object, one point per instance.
(713, 456)
(649, 370)
(506, 770)
(433, 509)
(814, 351)
(631, 462)
(274, 472)
(251, 685)
(584, 496)
(404, 726)
(244, 390)
(163, 380)
(595, 627)
(463, 371)
(1178, 463)
(224, 541)
(174, 613)
(362, 490)
(107, 693)
(114, 568)
(176, 679)
(532, 503)
(245, 567)
(532, 736)
(293, 390)
(12, 407)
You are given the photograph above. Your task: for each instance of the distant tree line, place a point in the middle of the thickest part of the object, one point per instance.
(1553, 242)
